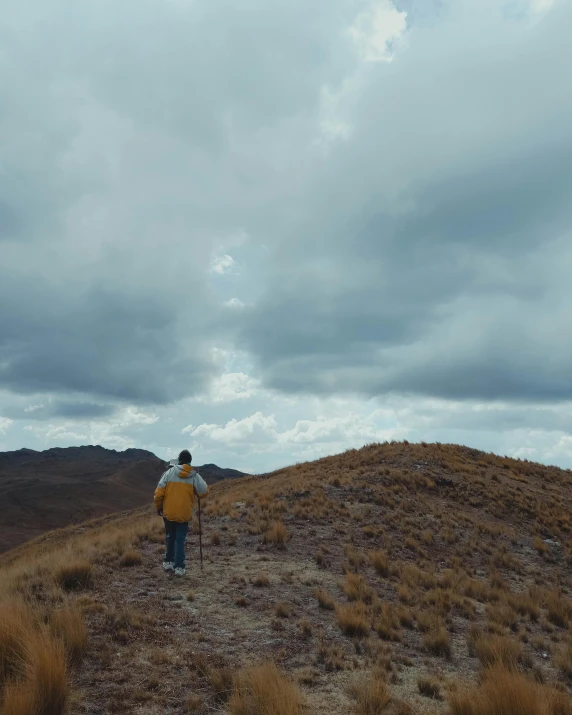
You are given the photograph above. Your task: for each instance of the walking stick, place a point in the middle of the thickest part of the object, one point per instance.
(200, 532)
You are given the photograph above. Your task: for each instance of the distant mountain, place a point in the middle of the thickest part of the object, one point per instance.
(67, 485)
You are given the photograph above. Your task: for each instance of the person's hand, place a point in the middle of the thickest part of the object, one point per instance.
(159, 512)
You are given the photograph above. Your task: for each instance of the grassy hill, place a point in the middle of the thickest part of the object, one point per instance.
(399, 579)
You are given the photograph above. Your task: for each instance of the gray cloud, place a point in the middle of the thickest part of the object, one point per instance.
(407, 224)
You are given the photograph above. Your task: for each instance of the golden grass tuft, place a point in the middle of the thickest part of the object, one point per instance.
(356, 588)
(352, 619)
(371, 695)
(380, 562)
(505, 692)
(324, 599)
(68, 624)
(131, 558)
(277, 534)
(264, 690)
(492, 649)
(75, 575)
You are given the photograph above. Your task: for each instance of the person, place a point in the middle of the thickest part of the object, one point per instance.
(174, 499)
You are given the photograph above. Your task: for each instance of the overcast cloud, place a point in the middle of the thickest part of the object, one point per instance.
(274, 230)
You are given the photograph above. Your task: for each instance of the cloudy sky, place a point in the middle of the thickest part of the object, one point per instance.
(271, 230)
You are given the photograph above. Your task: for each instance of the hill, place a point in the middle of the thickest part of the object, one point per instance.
(56, 487)
(400, 579)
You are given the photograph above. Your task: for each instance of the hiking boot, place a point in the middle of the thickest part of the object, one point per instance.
(180, 572)
(168, 565)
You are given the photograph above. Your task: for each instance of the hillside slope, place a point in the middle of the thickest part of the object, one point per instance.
(394, 575)
(60, 486)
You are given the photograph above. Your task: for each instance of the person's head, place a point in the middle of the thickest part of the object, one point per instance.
(185, 457)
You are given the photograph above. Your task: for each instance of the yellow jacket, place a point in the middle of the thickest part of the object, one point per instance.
(176, 491)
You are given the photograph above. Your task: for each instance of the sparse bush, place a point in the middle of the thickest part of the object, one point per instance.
(264, 690)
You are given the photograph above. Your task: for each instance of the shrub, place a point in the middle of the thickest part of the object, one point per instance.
(352, 619)
(74, 575)
(264, 690)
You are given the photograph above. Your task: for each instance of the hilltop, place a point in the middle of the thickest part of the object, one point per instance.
(399, 579)
(50, 489)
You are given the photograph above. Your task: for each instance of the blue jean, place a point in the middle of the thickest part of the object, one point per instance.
(176, 533)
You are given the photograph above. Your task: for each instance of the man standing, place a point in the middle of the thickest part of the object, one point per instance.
(174, 498)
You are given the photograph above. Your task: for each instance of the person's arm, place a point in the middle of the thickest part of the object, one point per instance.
(201, 487)
(160, 493)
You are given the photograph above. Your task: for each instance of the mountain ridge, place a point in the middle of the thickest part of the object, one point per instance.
(56, 487)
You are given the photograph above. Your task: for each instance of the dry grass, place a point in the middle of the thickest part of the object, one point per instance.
(264, 690)
(356, 588)
(68, 624)
(43, 689)
(506, 692)
(277, 534)
(261, 580)
(437, 641)
(131, 558)
(492, 649)
(371, 695)
(74, 575)
(380, 562)
(559, 610)
(324, 599)
(352, 619)
(429, 687)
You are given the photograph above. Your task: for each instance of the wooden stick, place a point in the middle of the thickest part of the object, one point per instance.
(200, 532)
